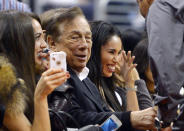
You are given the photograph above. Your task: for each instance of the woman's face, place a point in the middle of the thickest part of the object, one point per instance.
(40, 45)
(109, 55)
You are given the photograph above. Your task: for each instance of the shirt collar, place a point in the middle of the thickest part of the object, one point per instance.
(83, 74)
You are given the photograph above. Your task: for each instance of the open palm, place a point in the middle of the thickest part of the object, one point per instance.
(127, 67)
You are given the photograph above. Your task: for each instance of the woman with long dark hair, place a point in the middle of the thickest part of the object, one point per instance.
(106, 54)
(25, 102)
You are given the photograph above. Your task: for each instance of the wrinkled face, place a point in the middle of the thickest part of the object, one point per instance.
(76, 41)
(144, 6)
(40, 44)
(109, 55)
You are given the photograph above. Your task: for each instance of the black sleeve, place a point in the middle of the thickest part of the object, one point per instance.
(59, 101)
(2, 111)
(94, 117)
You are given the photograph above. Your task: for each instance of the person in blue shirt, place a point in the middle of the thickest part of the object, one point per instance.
(14, 5)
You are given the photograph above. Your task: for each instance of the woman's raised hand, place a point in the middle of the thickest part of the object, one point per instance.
(127, 68)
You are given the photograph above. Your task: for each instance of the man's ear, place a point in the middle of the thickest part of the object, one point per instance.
(51, 43)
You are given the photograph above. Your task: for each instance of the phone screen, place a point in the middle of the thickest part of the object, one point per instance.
(109, 125)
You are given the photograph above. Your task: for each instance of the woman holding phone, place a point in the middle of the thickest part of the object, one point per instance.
(26, 103)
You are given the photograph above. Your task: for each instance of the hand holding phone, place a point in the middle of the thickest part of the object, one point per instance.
(58, 60)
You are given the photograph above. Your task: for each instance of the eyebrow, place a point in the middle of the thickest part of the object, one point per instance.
(43, 31)
(111, 49)
(78, 32)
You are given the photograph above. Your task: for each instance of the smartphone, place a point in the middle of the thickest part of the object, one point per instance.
(58, 60)
(111, 124)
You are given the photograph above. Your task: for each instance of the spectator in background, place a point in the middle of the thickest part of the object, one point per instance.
(14, 5)
(143, 66)
(161, 56)
(123, 14)
(165, 27)
(87, 6)
(130, 38)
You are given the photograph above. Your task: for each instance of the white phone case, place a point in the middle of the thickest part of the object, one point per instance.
(58, 60)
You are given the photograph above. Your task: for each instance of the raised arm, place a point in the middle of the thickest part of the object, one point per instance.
(128, 73)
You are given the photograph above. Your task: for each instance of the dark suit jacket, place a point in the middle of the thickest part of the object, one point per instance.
(2, 111)
(88, 106)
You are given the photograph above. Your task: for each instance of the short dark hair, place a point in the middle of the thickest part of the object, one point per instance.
(53, 18)
(130, 39)
(141, 57)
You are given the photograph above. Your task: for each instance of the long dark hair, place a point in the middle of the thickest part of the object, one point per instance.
(18, 44)
(101, 33)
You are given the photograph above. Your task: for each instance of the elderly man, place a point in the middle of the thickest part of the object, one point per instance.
(68, 31)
